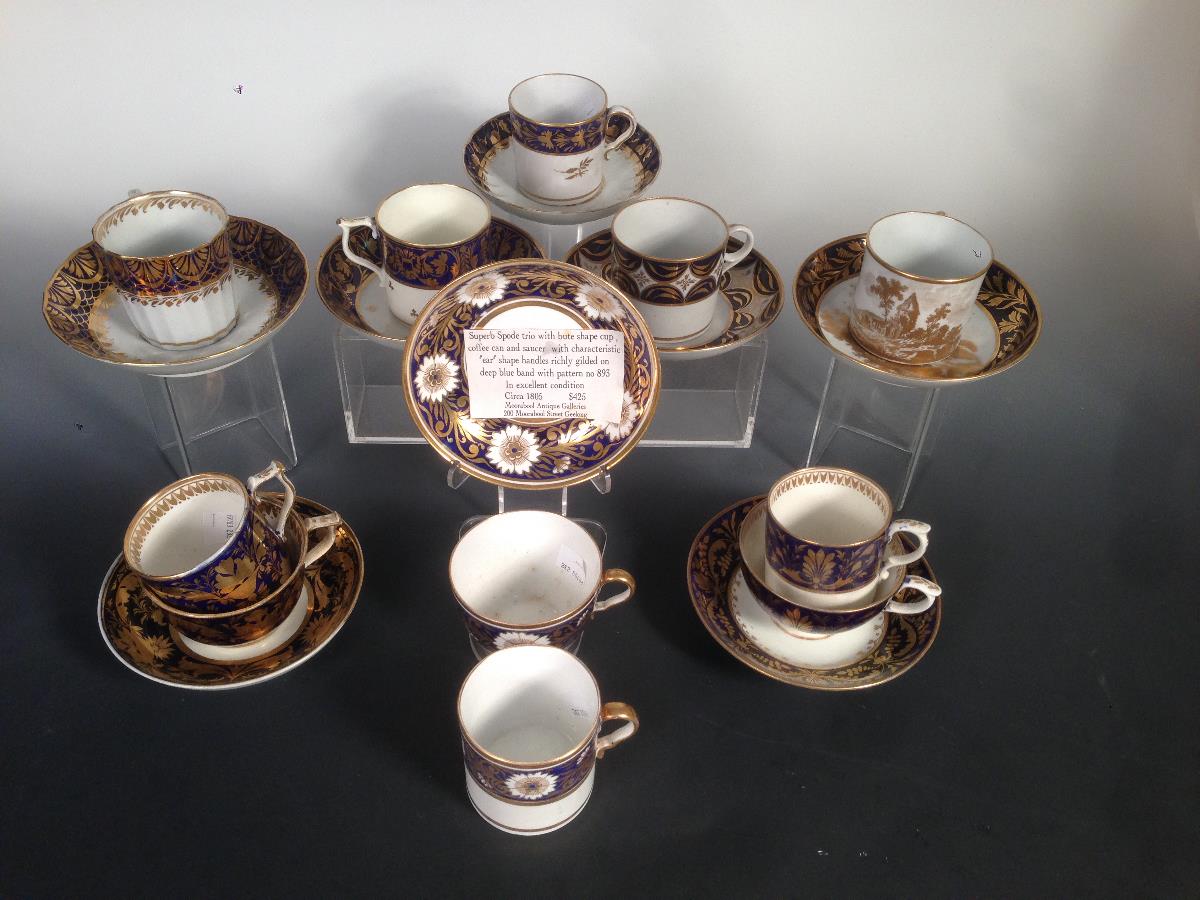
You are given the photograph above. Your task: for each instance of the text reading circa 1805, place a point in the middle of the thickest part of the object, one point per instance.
(533, 373)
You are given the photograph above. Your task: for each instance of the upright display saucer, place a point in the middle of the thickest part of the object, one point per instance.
(270, 277)
(627, 172)
(750, 291)
(525, 453)
(356, 298)
(137, 633)
(712, 563)
(1000, 332)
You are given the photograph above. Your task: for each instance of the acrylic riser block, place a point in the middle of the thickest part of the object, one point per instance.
(874, 425)
(703, 402)
(232, 419)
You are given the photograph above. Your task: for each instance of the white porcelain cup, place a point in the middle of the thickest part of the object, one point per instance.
(530, 720)
(428, 235)
(168, 257)
(669, 254)
(559, 125)
(921, 273)
(531, 577)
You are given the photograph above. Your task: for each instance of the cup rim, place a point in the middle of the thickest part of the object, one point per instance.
(612, 228)
(486, 225)
(536, 764)
(925, 278)
(603, 103)
(128, 201)
(530, 626)
(126, 546)
(297, 570)
(887, 518)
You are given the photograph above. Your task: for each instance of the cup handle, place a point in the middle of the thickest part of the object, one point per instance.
(612, 576)
(732, 259)
(626, 714)
(275, 470)
(624, 135)
(919, 530)
(929, 589)
(329, 522)
(346, 225)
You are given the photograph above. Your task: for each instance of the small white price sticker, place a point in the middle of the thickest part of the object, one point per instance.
(536, 373)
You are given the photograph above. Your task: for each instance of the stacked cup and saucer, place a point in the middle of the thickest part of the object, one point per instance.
(816, 583)
(221, 584)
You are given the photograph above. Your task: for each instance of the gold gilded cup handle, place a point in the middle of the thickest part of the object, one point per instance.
(624, 135)
(623, 712)
(616, 576)
(329, 522)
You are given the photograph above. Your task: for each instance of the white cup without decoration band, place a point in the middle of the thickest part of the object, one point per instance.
(921, 273)
(428, 235)
(559, 144)
(530, 721)
(669, 254)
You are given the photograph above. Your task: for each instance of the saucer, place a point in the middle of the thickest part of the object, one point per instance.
(713, 561)
(270, 278)
(1002, 327)
(750, 291)
(627, 172)
(137, 632)
(356, 298)
(519, 452)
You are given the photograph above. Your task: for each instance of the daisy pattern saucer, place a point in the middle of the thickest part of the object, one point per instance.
(137, 633)
(750, 291)
(998, 334)
(270, 278)
(713, 562)
(525, 453)
(628, 171)
(356, 298)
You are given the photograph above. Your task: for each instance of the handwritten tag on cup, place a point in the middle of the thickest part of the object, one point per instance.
(214, 523)
(536, 373)
(572, 564)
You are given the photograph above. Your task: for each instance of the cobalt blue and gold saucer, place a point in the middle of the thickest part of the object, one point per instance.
(713, 563)
(356, 298)
(1000, 331)
(750, 291)
(138, 634)
(270, 277)
(534, 453)
(628, 171)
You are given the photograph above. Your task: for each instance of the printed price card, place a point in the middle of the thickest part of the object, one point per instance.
(535, 373)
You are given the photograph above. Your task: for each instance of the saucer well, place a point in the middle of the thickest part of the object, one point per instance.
(1000, 331)
(356, 298)
(628, 171)
(713, 561)
(138, 634)
(750, 291)
(270, 278)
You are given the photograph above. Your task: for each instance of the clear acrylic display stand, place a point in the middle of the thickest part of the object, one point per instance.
(874, 425)
(703, 402)
(232, 419)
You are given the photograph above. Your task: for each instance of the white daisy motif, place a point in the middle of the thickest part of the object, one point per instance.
(519, 639)
(436, 377)
(629, 415)
(485, 289)
(514, 450)
(531, 785)
(597, 304)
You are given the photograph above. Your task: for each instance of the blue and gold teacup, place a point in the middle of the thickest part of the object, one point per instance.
(205, 544)
(429, 234)
(828, 531)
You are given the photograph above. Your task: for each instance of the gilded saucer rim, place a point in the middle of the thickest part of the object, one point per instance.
(167, 367)
(361, 327)
(877, 364)
(799, 676)
(708, 348)
(348, 604)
